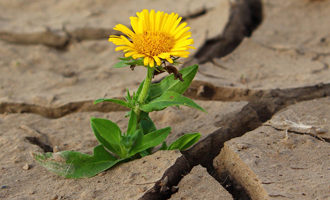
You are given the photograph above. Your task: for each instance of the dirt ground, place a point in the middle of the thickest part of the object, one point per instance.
(264, 79)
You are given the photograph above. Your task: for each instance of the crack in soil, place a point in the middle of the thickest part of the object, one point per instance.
(245, 17)
(199, 90)
(252, 116)
(58, 39)
(58, 112)
(61, 39)
(167, 185)
(263, 104)
(235, 189)
(196, 14)
(202, 90)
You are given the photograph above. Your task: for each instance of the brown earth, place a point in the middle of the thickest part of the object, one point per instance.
(283, 161)
(265, 84)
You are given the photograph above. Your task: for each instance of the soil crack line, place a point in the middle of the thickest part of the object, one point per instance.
(257, 112)
(260, 109)
(60, 39)
(252, 116)
(299, 128)
(196, 14)
(199, 90)
(245, 17)
(57, 112)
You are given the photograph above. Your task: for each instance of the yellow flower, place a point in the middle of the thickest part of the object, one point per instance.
(155, 37)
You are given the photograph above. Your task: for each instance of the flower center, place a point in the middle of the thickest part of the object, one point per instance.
(153, 43)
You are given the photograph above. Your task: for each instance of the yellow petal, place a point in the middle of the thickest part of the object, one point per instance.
(145, 14)
(117, 41)
(135, 25)
(154, 36)
(124, 29)
(152, 20)
(184, 43)
(176, 23)
(169, 22)
(177, 35)
(137, 55)
(146, 61)
(123, 48)
(180, 53)
(163, 22)
(180, 49)
(129, 54)
(122, 40)
(164, 55)
(159, 17)
(179, 28)
(169, 60)
(158, 61)
(184, 36)
(151, 62)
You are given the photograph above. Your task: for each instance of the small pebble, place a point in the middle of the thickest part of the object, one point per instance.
(4, 186)
(321, 130)
(242, 146)
(26, 166)
(33, 192)
(56, 149)
(101, 174)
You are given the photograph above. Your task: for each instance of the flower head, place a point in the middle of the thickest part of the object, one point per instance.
(156, 36)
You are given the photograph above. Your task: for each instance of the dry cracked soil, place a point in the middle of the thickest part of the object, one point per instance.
(264, 79)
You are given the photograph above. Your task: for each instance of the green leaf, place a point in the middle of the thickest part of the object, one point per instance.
(144, 153)
(151, 140)
(170, 84)
(117, 101)
(140, 88)
(125, 62)
(71, 164)
(108, 134)
(138, 62)
(128, 96)
(132, 123)
(164, 146)
(100, 153)
(137, 140)
(120, 64)
(167, 99)
(146, 124)
(126, 58)
(185, 141)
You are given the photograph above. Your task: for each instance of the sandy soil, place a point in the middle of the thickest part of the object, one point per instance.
(55, 53)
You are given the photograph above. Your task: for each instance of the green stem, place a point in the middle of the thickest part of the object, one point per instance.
(144, 92)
